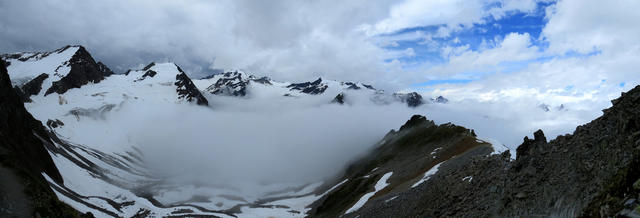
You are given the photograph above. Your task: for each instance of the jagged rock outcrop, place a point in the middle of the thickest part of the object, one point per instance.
(413, 99)
(350, 85)
(314, 88)
(23, 158)
(368, 86)
(231, 83)
(187, 90)
(234, 83)
(34, 86)
(590, 173)
(84, 69)
(54, 123)
(339, 99)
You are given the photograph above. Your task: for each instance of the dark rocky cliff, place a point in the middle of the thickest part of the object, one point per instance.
(23, 158)
(187, 90)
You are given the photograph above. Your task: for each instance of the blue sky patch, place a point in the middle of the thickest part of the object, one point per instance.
(481, 36)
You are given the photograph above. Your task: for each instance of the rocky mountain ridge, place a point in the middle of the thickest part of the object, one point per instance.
(72, 67)
(590, 173)
(240, 84)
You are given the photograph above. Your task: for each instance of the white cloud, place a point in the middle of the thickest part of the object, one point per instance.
(591, 25)
(287, 40)
(513, 5)
(452, 14)
(595, 78)
(514, 47)
(301, 40)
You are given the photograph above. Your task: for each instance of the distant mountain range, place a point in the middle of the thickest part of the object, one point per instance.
(39, 74)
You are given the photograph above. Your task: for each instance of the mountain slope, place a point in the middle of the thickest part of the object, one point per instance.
(164, 74)
(24, 159)
(593, 172)
(83, 70)
(407, 155)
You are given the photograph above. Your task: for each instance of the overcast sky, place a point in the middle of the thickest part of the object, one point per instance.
(581, 52)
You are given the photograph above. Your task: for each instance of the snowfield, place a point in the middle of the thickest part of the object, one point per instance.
(363, 200)
(427, 175)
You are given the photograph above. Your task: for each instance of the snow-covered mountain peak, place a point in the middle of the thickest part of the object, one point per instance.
(241, 84)
(155, 72)
(36, 56)
(231, 83)
(73, 67)
(168, 74)
(413, 99)
(25, 66)
(313, 88)
(69, 81)
(440, 99)
(55, 72)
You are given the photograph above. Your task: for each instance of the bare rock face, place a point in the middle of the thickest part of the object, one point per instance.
(84, 69)
(339, 99)
(231, 83)
(187, 90)
(23, 159)
(313, 88)
(54, 123)
(368, 86)
(412, 99)
(34, 86)
(234, 83)
(351, 85)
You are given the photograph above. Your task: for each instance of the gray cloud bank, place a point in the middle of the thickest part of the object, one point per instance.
(289, 40)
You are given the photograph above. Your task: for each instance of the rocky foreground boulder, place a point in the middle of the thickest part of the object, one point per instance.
(594, 172)
(24, 159)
